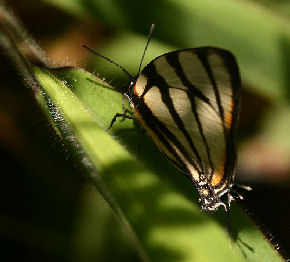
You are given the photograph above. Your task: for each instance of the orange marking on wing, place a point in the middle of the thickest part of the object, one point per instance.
(135, 90)
(217, 176)
(229, 116)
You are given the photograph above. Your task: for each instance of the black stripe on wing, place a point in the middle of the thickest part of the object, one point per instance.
(192, 92)
(154, 79)
(231, 67)
(202, 55)
(164, 136)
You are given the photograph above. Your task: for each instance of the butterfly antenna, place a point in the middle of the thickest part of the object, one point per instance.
(148, 40)
(109, 60)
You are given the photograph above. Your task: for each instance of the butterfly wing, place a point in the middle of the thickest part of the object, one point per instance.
(188, 101)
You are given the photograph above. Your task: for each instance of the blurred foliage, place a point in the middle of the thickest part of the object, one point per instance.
(245, 28)
(51, 213)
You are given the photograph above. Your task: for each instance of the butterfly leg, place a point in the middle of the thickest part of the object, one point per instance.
(123, 114)
(123, 103)
(119, 115)
(248, 188)
(236, 193)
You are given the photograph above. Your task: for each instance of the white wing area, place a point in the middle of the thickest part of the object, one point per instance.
(200, 125)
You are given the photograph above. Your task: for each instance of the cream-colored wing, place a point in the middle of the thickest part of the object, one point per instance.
(188, 101)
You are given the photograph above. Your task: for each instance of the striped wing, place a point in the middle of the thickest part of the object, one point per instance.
(188, 101)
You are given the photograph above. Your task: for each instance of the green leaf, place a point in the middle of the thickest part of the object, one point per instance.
(162, 216)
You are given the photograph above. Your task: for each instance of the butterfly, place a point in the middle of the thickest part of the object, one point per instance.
(188, 102)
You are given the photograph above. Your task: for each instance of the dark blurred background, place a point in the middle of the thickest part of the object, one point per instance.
(49, 210)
